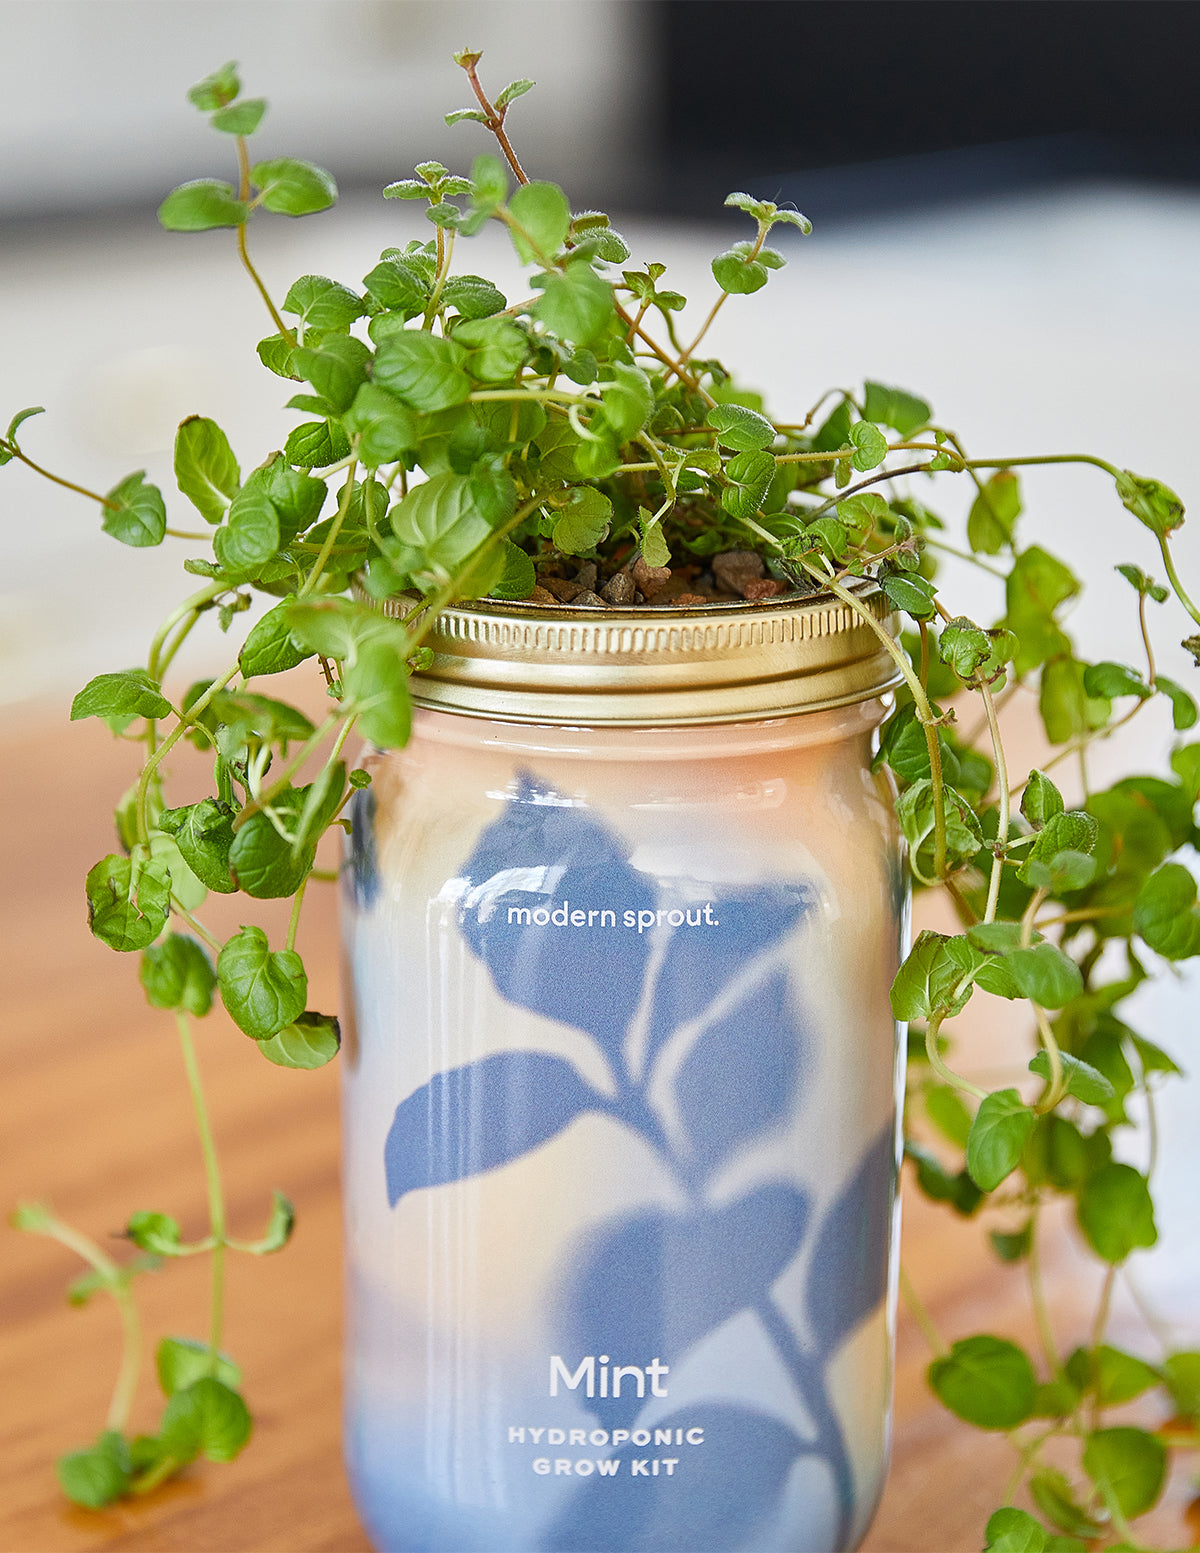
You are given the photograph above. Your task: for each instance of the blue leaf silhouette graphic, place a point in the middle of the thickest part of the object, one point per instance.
(364, 873)
(651, 1285)
(848, 1274)
(474, 1118)
(698, 964)
(546, 856)
(743, 1072)
(719, 1494)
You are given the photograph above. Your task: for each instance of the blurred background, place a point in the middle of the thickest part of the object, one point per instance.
(1006, 202)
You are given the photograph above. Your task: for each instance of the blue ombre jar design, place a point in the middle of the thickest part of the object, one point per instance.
(621, 1088)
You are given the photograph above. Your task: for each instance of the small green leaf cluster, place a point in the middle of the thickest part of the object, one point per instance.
(205, 1416)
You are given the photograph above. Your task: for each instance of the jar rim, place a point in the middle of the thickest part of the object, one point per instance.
(734, 661)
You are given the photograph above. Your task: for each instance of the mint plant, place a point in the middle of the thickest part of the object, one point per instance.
(577, 450)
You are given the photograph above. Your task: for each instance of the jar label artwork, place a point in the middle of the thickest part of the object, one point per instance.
(700, 1056)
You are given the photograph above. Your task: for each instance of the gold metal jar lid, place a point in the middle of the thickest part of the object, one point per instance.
(720, 663)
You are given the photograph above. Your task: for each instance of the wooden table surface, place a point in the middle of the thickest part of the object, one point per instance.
(97, 1123)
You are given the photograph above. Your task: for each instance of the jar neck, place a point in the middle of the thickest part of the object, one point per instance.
(717, 741)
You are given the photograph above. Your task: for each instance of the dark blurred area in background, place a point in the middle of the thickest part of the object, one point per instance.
(855, 107)
(850, 108)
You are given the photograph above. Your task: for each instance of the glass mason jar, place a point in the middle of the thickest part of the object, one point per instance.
(621, 1087)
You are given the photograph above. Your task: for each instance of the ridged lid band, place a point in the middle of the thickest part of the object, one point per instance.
(719, 663)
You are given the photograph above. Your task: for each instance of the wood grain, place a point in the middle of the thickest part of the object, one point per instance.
(96, 1121)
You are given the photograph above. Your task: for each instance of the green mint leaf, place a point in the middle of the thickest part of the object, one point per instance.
(398, 287)
(1012, 1247)
(316, 445)
(206, 1418)
(575, 305)
(750, 475)
(336, 368)
(423, 370)
(1041, 800)
(475, 297)
(250, 535)
(945, 1109)
(217, 89)
(964, 646)
(1128, 1466)
(584, 522)
(275, 353)
(201, 205)
(738, 275)
(1044, 973)
(129, 692)
(1138, 579)
(177, 973)
(1113, 680)
(998, 1135)
(18, 421)
(1185, 763)
(439, 524)
(1165, 914)
(743, 430)
(240, 118)
(543, 218)
(910, 593)
(1111, 1374)
(128, 900)
(458, 116)
(628, 402)
(1069, 832)
(986, 1381)
(1083, 1081)
(1015, 1531)
(655, 550)
(939, 1184)
(519, 577)
(406, 189)
(309, 1042)
(1055, 1498)
(1183, 708)
(376, 685)
(323, 304)
(157, 1233)
(870, 446)
(1151, 502)
(1182, 1372)
(283, 1215)
(489, 182)
(1066, 706)
(497, 348)
(865, 513)
(291, 187)
(181, 1362)
(134, 512)
(1035, 588)
(914, 810)
(95, 1477)
(262, 989)
(203, 832)
(936, 975)
(205, 469)
(385, 428)
(895, 407)
(263, 861)
(444, 214)
(512, 91)
(1116, 1212)
(994, 513)
(270, 647)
